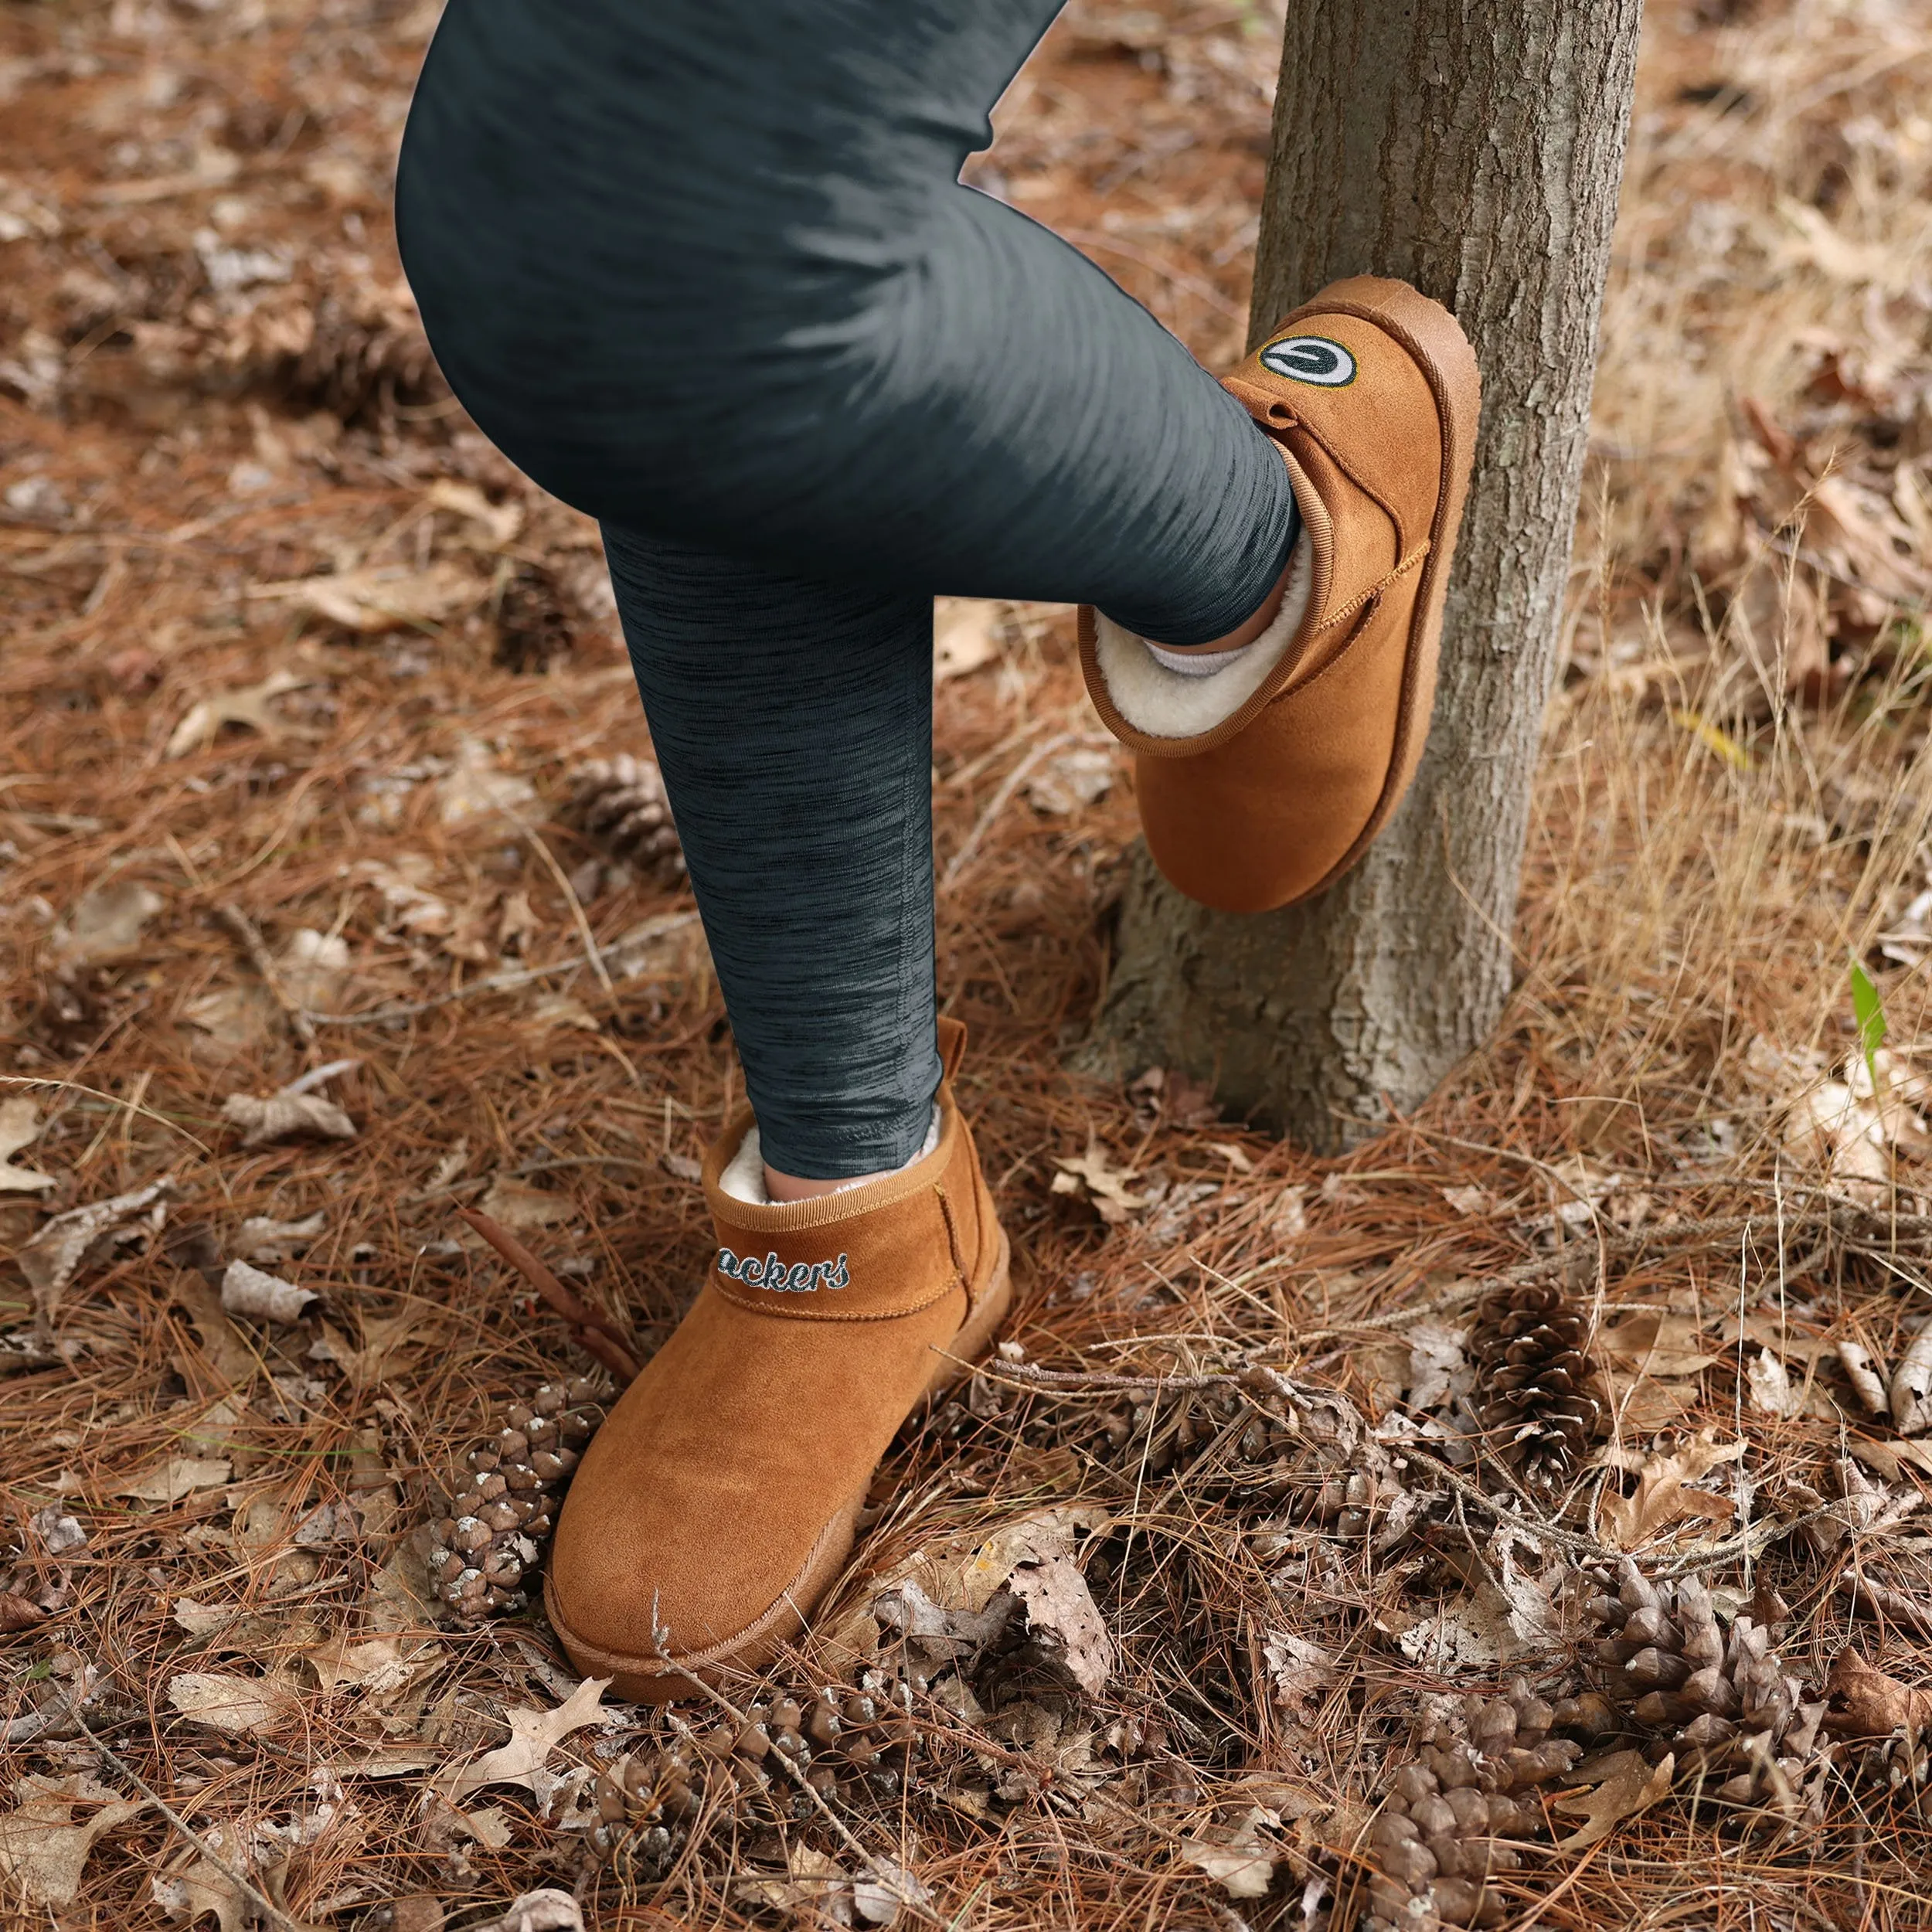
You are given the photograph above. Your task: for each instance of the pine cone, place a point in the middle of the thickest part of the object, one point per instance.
(534, 621)
(850, 1744)
(1536, 1387)
(479, 1555)
(622, 802)
(1471, 1788)
(1738, 1726)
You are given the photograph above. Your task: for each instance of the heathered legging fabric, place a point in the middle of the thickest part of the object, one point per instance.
(704, 269)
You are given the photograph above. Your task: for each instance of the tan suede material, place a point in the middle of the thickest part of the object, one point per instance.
(1283, 795)
(719, 1496)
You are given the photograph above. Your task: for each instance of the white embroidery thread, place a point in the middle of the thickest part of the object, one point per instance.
(800, 1278)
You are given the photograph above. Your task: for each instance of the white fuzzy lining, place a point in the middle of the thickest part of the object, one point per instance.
(1173, 704)
(743, 1178)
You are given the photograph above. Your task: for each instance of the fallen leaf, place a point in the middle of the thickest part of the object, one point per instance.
(385, 596)
(248, 705)
(501, 520)
(1467, 1200)
(247, 1290)
(55, 1254)
(813, 1883)
(1300, 1673)
(293, 1112)
(106, 925)
(19, 1126)
(203, 1888)
(1911, 1392)
(1632, 1785)
(1438, 1373)
(1657, 1344)
(516, 1204)
(179, 1476)
(17, 1613)
(547, 1910)
(1663, 1496)
(41, 1850)
(1078, 777)
(534, 1734)
(58, 1532)
(879, 1898)
(475, 789)
(1063, 1621)
(1242, 1863)
(1863, 1372)
(966, 633)
(1772, 1393)
(223, 1701)
(408, 906)
(262, 1239)
(1864, 1703)
(376, 1666)
(1092, 1176)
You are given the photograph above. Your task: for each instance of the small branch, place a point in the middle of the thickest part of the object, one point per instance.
(595, 1334)
(245, 930)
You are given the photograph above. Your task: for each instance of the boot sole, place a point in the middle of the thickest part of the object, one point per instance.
(659, 1680)
(1441, 351)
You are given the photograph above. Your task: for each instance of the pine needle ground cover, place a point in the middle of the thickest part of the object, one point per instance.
(1522, 1521)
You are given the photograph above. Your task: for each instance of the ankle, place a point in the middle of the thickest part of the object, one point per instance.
(798, 1187)
(1244, 633)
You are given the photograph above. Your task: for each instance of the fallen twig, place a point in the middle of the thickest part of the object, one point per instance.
(591, 1332)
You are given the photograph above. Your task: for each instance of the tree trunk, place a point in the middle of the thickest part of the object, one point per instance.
(1473, 147)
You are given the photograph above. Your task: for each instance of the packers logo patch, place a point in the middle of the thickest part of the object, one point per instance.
(1310, 359)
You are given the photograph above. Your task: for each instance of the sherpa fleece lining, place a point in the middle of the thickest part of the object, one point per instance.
(743, 1178)
(1170, 704)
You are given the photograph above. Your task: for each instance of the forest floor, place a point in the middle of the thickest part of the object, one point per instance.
(300, 682)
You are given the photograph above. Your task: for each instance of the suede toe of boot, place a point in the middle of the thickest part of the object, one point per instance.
(717, 1504)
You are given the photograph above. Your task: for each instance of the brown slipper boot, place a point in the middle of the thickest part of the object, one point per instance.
(719, 1498)
(1263, 781)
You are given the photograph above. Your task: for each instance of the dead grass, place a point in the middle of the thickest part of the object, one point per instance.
(1733, 805)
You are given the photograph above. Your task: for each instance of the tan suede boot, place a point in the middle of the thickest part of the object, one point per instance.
(1264, 781)
(718, 1500)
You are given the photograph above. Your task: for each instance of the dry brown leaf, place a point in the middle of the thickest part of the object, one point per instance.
(1911, 1391)
(1628, 1784)
(815, 1886)
(1075, 779)
(475, 789)
(1093, 1176)
(1300, 1673)
(1062, 1619)
(503, 521)
(293, 1112)
(376, 1666)
(547, 1910)
(385, 597)
(42, 1851)
(1864, 1703)
(534, 1734)
(19, 1126)
(249, 705)
(224, 1701)
(55, 1254)
(1663, 1496)
(1657, 1344)
(516, 1204)
(247, 1290)
(106, 925)
(204, 1887)
(1773, 1393)
(18, 1613)
(262, 1238)
(1241, 1862)
(177, 1477)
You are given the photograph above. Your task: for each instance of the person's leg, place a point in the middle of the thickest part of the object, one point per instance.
(793, 722)
(705, 268)
(712, 275)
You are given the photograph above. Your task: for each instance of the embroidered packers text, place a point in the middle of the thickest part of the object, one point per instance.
(800, 1278)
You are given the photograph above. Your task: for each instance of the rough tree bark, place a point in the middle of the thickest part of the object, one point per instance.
(1473, 147)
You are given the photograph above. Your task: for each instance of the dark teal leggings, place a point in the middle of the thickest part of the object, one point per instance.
(705, 269)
